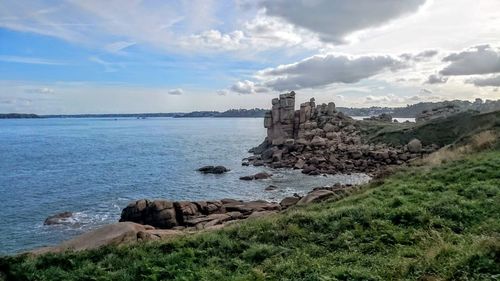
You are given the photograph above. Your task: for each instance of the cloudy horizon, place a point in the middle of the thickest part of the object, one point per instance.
(71, 57)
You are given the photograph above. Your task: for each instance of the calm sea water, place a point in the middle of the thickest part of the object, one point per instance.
(94, 167)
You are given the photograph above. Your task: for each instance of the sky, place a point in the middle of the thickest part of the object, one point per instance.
(93, 56)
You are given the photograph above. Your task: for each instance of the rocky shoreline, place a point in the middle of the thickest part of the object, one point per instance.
(317, 139)
(147, 220)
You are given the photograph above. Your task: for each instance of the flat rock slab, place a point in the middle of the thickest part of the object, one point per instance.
(316, 196)
(251, 206)
(111, 234)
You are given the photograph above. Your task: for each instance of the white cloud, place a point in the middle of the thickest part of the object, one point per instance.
(258, 34)
(118, 47)
(322, 70)
(30, 60)
(243, 87)
(333, 20)
(483, 59)
(215, 40)
(176, 92)
(113, 24)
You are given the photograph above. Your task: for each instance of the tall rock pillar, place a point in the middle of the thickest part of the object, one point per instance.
(281, 119)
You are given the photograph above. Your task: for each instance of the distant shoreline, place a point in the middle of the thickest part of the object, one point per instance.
(410, 111)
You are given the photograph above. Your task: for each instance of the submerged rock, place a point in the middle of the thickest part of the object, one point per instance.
(271, 188)
(258, 176)
(61, 218)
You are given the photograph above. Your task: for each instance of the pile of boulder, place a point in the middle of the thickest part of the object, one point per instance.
(179, 215)
(197, 215)
(320, 140)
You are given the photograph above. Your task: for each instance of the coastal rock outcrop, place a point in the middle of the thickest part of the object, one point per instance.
(213, 170)
(320, 140)
(198, 214)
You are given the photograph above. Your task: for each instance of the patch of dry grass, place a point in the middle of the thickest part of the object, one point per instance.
(478, 142)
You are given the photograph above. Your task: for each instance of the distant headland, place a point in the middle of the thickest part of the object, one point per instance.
(409, 111)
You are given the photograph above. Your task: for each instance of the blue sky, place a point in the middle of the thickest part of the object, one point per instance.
(94, 56)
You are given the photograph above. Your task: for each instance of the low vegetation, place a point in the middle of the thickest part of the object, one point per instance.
(439, 223)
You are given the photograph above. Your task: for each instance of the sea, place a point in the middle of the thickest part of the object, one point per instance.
(94, 167)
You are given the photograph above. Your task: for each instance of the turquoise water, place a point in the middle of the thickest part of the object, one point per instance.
(94, 167)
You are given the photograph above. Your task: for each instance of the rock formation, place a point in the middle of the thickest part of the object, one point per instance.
(192, 215)
(61, 218)
(317, 139)
(213, 170)
(197, 215)
(438, 112)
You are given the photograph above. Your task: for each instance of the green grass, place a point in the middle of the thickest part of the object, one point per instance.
(440, 223)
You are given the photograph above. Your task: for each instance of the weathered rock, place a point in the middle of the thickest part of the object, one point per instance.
(262, 147)
(415, 146)
(318, 141)
(161, 214)
(111, 234)
(300, 164)
(136, 211)
(213, 169)
(251, 206)
(289, 201)
(329, 128)
(61, 218)
(315, 196)
(268, 153)
(185, 211)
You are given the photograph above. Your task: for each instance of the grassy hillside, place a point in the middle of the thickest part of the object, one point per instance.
(440, 223)
(442, 131)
